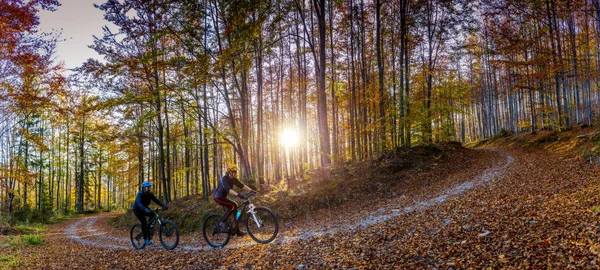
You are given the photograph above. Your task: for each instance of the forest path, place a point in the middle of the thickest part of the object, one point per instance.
(504, 208)
(92, 230)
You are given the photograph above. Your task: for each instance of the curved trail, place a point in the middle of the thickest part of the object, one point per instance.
(84, 232)
(87, 235)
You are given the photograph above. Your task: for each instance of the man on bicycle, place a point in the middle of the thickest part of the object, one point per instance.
(141, 210)
(223, 189)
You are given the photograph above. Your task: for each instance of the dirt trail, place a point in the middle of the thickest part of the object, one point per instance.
(390, 212)
(85, 231)
(507, 208)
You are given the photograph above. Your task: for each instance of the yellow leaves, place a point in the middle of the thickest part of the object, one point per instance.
(504, 258)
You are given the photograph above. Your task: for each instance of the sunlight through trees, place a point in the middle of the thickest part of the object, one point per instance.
(281, 88)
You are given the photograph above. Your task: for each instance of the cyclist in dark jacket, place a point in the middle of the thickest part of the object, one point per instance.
(141, 210)
(223, 189)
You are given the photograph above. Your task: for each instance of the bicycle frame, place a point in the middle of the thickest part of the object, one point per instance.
(152, 222)
(250, 206)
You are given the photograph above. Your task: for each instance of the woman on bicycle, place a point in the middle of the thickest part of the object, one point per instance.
(141, 210)
(223, 189)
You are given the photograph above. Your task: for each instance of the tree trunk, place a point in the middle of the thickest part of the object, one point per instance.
(382, 122)
(81, 166)
(322, 102)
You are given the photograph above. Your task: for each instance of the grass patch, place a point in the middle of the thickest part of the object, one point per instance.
(476, 143)
(25, 240)
(35, 228)
(14, 241)
(26, 228)
(60, 218)
(9, 262)
(33, 240)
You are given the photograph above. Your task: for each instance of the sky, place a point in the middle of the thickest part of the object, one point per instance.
(79, 21)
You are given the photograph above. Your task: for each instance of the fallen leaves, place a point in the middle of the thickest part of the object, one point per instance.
(531, 217)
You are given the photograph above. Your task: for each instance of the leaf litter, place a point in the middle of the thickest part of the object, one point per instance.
(476, 210)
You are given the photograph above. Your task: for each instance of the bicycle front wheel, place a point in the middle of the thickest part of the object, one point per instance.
(169, 234)
(136, 234)
(214, 235)
(263, 225)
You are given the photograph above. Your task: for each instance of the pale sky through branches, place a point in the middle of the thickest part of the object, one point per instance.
(79, 20)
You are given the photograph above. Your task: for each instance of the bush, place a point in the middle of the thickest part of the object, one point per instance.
(92, 211)
(22, 216)
(33, 240)
(502, 133)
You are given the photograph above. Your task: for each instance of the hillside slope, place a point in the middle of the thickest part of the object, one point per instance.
(509, 207)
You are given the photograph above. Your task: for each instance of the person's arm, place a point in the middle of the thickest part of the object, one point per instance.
(242, 186)
(157, 201)
(237, 183)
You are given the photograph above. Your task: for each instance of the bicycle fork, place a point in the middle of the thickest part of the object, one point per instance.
(256, 219)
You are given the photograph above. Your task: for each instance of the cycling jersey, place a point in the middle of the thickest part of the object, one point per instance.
(225, 184)
(143, 200)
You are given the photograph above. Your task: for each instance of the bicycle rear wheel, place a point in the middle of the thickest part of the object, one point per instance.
(136, 234)
(169, 234)
(216, 237)
(263, 226)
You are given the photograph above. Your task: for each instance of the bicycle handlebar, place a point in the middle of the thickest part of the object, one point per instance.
(248, 195)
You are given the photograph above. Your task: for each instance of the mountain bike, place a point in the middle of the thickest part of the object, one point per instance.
(261, 224)
(168, 232)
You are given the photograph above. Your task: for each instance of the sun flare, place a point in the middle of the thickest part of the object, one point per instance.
(289, 138)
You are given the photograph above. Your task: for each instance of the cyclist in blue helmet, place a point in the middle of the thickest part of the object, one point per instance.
(141, 210)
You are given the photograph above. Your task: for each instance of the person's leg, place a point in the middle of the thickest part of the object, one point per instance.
(142, 218)
(236, 226)
(231, 205)
(150, 215)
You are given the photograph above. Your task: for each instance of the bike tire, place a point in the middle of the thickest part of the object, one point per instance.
(168, 234)
(212, 236)
(136, 234)
(269, 229)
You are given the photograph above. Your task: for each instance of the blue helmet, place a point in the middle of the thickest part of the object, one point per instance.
(146, 184)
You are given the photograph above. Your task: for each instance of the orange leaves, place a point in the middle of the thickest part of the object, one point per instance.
(531, 216)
